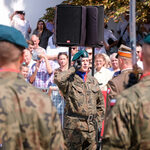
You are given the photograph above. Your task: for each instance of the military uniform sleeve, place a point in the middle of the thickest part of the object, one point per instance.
(118, 125)
(61, 79)
(112, 90)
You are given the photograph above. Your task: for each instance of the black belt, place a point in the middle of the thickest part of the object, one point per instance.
(88, 118)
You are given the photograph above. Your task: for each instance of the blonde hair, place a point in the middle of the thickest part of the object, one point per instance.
(108, 61)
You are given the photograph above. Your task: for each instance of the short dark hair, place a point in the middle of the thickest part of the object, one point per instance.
(9, 52)
(62, 53)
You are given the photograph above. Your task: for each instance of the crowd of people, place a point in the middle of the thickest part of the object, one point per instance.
(80, 99)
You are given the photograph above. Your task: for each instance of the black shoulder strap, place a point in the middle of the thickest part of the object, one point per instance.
(125, 29)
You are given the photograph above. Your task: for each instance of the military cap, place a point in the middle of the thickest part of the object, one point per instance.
(124, 51)
(12, 35)
(81, 53)
(147, 39)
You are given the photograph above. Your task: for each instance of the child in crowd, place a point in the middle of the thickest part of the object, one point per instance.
(24, 70)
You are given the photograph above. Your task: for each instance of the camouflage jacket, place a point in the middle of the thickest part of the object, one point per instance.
(27, 118)
(82, 99)
(128, 124)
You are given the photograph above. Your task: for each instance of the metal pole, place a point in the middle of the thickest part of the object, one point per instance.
(93, 55)
(69, 56)
(133, 31)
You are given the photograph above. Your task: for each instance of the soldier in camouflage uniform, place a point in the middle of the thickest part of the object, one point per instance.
(84, 110)
(128, 124)
(28, 121)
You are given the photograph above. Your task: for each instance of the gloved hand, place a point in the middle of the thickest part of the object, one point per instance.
(78, 63)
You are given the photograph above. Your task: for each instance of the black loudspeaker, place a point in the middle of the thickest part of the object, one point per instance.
(79, 25)
(94, 26)
(70, 25)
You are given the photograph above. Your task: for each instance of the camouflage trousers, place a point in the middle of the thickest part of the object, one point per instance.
(80, 140)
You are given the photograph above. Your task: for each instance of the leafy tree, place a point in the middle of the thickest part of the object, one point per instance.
(49, 15)
(113, 8)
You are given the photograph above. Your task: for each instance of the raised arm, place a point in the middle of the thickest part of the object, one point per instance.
(61, 79)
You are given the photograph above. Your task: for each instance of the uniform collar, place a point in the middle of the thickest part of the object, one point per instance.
(11, 75)
(80, 80)
(9, 70)
(125, 70)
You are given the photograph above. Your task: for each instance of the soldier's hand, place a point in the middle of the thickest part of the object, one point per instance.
(78, 63)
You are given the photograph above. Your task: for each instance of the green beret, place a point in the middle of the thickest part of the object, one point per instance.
(81, 53)
(147, 39)
(12, 35)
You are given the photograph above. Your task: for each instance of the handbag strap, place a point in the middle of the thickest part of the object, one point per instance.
(125, 29)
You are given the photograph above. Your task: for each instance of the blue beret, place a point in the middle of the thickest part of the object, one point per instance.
(12, 35)
(147, 39)
(81, 53)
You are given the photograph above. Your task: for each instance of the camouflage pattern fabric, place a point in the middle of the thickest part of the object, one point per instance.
(82, 99)
(28, 121)
(75, 139)
(128, 124)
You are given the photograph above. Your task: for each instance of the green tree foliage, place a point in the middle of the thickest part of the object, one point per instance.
(113, 8)
(49, 15)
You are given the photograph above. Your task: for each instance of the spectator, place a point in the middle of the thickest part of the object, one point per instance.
(41, 73)
(57, 98)
(139, 54)
(19, 22)
(103, 75)
(53, 50)
(108, 62)
(115, 64)
(89, 50)
(27, 58)
(74, 50)
(109, 40)
(50, 26)
(24, 70)
(30, 45)
(126, 37)
(43, 34)
(36, 41)
(122, 25)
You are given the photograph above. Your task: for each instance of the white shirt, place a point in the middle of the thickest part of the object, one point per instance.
(53, 50)
(140, 64)
(103, 76)
(21, 25)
